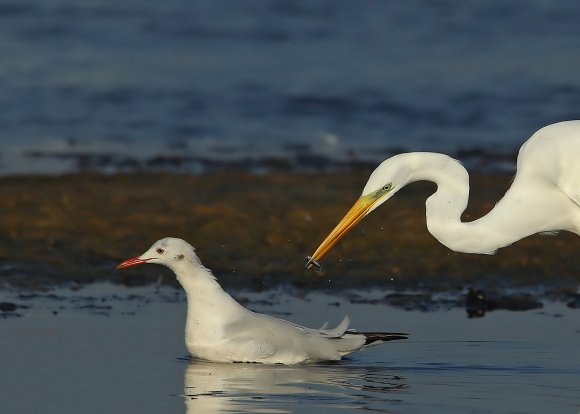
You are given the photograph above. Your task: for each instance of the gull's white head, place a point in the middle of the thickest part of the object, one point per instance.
(169, 252)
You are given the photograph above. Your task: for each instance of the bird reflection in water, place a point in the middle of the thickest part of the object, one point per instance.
(211, 387)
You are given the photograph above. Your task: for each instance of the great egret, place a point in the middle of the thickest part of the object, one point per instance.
(220, 329)
(544, 196)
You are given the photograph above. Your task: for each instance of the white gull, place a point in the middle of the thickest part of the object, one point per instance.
(220, 329)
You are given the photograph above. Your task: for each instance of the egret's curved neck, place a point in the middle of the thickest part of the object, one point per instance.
(444, 208)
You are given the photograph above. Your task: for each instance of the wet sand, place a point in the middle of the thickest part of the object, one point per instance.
(255, 231)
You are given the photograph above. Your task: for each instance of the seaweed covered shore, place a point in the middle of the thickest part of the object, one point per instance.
(254, 231)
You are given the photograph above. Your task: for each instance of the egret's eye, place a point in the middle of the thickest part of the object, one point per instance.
(160, 250)
(387, 187)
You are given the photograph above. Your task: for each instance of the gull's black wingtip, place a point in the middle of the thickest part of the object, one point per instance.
(372, 337)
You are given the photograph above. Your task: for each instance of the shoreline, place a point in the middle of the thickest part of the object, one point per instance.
(314, 158)
(255, 230)
(109, 299)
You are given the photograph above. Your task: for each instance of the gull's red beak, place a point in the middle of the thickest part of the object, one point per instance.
(132, 262)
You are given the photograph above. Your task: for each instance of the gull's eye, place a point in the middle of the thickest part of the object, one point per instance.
(387, 187)
(160, 250)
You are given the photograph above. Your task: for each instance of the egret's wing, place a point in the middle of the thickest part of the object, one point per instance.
(571, 184)
(575, 198)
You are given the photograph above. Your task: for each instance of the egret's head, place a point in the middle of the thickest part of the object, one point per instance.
(168, 252)
(388, 178)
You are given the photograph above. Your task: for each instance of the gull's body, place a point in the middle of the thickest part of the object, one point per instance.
(544, 196)
(219, 329)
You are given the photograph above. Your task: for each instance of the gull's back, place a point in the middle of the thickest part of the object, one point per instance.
(263, 338)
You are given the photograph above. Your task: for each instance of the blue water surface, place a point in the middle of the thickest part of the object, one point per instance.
(133, 85)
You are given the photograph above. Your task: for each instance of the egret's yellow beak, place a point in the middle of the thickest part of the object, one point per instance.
(352, 217)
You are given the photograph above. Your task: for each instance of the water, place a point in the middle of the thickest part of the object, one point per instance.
(175, 85)
(113, 349)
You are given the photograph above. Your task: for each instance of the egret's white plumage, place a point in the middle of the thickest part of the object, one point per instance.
(219, 329)
(544, 196)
